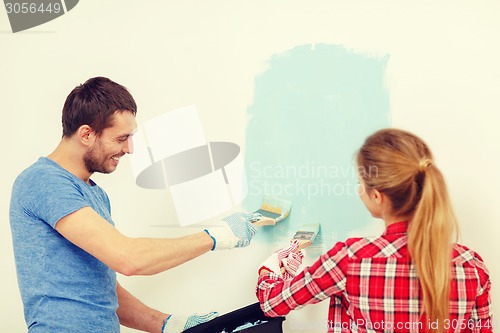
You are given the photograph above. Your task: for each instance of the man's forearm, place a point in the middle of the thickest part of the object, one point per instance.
(148, 256)
(135, 314)
(129, 256)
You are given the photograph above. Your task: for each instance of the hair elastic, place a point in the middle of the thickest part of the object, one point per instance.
(423, 164)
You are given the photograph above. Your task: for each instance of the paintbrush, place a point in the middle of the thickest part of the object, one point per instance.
(306, 234)
(272, 211)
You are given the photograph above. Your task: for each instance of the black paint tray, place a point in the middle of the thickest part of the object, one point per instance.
(249, 314)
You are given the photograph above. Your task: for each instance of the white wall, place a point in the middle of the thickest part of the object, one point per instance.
(443, 79)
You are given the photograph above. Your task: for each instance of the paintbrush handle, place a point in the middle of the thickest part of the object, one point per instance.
(264, 221)
(303, 244)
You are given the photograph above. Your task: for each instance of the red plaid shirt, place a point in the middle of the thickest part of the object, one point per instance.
(373, 287)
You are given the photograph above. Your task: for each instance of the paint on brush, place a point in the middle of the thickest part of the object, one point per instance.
(306, 234)
(273, 210)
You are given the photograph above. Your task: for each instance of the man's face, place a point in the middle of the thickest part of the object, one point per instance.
(112, 144)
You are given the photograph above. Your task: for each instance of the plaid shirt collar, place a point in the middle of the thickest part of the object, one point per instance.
(400, 227)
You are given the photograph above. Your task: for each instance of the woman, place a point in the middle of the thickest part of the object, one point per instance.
(413, 278)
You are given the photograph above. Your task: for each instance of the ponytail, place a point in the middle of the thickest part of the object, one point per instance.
(406, 173)
(430, 242)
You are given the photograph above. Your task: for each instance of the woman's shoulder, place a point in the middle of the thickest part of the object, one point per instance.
(467, 262)
(462, 254)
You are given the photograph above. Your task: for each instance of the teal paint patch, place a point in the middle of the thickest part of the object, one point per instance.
(312, 109)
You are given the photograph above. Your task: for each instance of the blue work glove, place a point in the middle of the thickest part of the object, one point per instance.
(236, 230)
(242, 227)
(180, 323)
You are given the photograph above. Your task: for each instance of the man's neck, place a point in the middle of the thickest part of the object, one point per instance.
(70, 158)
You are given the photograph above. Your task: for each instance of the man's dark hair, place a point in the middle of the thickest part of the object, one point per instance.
(94, 103)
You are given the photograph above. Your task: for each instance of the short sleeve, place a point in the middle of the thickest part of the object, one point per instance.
(48, 195)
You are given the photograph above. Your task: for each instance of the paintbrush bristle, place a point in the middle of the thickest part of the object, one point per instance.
(272, 209)
(276, 208)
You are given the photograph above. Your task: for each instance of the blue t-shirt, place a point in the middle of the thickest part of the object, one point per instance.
(63, 288)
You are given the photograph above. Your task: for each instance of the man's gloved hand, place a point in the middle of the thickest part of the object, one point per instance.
(236, 231)
(180, 323)
(284, 262)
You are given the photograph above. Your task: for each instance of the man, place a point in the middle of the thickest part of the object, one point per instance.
(66, 247)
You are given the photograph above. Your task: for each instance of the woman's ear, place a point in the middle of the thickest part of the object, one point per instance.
(377, 196)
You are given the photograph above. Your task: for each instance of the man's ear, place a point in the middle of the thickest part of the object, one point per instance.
(86, 135)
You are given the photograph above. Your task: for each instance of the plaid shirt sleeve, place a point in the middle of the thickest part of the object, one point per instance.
(325, 278)
(481, 317)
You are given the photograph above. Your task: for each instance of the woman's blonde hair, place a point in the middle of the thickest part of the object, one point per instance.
(401, 166)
